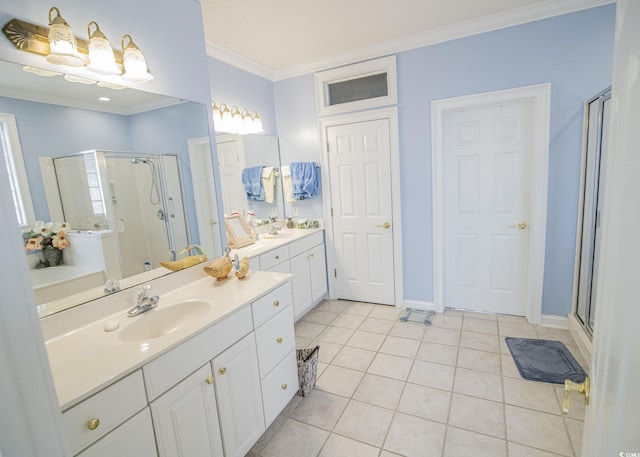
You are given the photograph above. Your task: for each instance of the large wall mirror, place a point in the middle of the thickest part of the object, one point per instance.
(119, 171)
(237, 153)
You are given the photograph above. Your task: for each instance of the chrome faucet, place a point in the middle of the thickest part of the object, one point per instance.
(145, 302)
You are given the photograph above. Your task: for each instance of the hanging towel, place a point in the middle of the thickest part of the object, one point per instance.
(269, 183)
(252, 183)
(304, 180)
(286, 184)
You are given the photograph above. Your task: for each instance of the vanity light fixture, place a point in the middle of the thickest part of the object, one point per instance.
(256, 123)
(79, 80)
(234, 120)
(101, 57)
(63, 48)
(135, 65)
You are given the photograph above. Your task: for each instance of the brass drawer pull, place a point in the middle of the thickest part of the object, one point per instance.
(276, 303)
(93, 423)
(222, 370)
(209, 380)
(283, 387)
(279, 340)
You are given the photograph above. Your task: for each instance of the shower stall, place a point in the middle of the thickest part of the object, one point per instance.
(139, 197)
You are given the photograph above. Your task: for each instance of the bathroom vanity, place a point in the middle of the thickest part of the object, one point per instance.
(202, 374)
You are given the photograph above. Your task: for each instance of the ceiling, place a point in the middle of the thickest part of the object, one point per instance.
(282, 38)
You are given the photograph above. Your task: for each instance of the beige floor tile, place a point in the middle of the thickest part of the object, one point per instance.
(339, 381)
(479, 315)
(479, 341)
(411, 436)
(510, 318)
(442, 336)
(461, 443)
(320, 409)
(575, 352)
(478, 384)
(296, 438)
(454, 312)
(371, 324)
(432, 375)
(320, 317)
(351, 321)
(379, 391)
(509, 367)
(517, 330)
(334, 306)
(388, 454)
(447, 320)
(302, 342)
(354, 358)
(385, 312)
(425, 402)
(321, 368)
(338, 335)
(391, 366)
(577, 408)
(306, 329)
(575, 429)
(339, 446)
(268, 435)
(438, 353)
(412, 330)
(364, 422)
(360, 309)
(478, 415)
(366, 340)
(504, 349)
(480, 326)
(530, 394)
(327, 350)
(479, 360)
(555, 334)
(402, 347)
(527, 427)
(518, 450)
(291, 406)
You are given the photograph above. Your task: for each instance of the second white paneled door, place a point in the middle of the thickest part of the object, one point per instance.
(487, 206)
(359, 162)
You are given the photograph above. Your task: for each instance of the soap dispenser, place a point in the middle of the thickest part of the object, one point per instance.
(289, 223)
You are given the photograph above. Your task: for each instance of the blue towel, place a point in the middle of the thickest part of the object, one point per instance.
(252, 183)
(304, 180)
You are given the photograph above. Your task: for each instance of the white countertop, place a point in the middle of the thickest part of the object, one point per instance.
(87, 359)
(266, 244)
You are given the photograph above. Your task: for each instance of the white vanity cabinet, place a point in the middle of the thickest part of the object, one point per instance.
(309, 269)
(237, 385)
(186, 418)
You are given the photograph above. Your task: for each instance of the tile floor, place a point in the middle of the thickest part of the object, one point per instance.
(387, 388)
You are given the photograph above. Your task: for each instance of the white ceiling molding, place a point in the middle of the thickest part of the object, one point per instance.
(464, 29)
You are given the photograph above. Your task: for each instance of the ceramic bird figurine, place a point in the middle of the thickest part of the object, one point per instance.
(219, 268)
(177, 265)
(242, 268)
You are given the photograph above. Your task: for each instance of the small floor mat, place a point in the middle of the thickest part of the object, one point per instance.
(544, 360)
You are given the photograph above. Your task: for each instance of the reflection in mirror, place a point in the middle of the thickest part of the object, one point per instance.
(239, 152)
(56, 121)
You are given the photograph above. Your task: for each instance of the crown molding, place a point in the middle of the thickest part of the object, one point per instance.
(536, 12)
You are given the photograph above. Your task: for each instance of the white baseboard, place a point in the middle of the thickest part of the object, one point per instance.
(548, 320)
(581, 338)
(422, 305)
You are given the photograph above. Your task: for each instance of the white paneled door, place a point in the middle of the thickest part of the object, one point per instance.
(487, 206)
(359, 162)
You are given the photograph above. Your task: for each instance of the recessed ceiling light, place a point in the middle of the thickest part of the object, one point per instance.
(104, 99)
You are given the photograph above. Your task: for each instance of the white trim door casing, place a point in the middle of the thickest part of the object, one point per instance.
(540, 96)
(391, 114)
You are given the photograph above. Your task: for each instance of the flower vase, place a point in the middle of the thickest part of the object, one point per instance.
(51, 255)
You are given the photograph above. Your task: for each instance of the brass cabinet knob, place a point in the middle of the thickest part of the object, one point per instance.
(279, 340)
(277, 257)
(386, 225)
(209, 380)
(222, 370)
(284, 387)
(276, 303)
(93, 423)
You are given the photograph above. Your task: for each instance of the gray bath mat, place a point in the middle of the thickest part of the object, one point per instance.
(544, 360)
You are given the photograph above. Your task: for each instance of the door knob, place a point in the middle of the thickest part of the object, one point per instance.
(570, 386)
(521, 225)
(386, 225)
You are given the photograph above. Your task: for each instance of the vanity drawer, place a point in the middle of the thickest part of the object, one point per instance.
(275, 339)
(306, 243)
(271, 304)
(279, 387)
(101, 413)
(171, 367)
(274, 257)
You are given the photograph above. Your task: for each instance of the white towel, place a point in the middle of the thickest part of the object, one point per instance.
(268, 183)
(287, 188)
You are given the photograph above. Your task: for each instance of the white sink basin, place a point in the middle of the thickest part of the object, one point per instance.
(161, 322)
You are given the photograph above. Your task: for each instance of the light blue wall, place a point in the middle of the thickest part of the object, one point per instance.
(573, 52)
